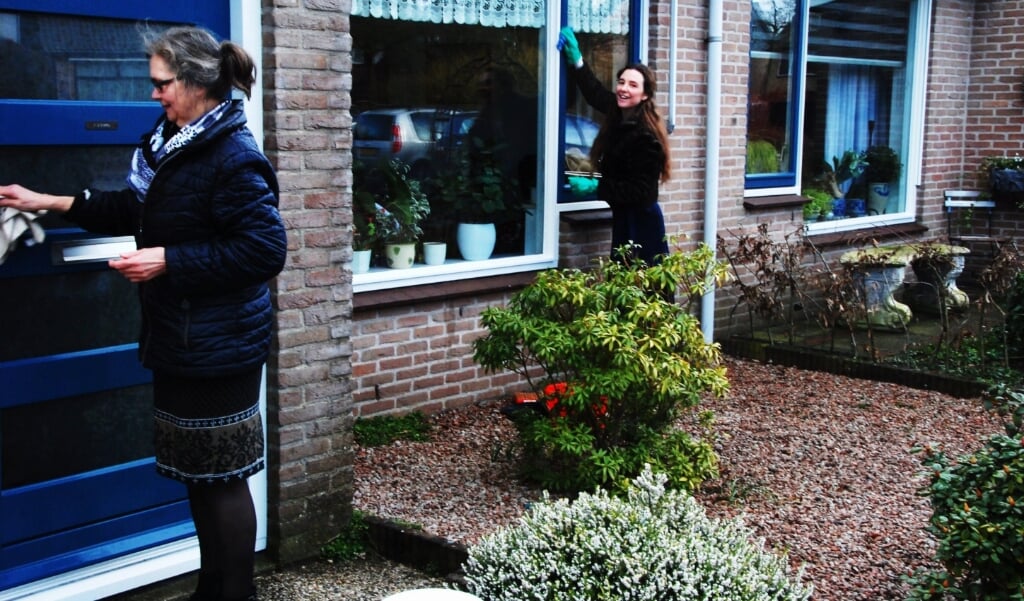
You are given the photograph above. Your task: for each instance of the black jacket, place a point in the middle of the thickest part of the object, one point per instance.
(213, 206)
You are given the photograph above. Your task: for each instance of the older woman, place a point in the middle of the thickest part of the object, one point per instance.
(201, 201)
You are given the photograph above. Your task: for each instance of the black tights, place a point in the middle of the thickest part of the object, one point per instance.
(225, 521)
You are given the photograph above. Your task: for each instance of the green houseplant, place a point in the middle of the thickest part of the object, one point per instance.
(400, 207)
(882, 164)
(882, 169)
(479, 194)
(819, 205)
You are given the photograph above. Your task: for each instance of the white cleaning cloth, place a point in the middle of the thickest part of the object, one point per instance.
(14, 223)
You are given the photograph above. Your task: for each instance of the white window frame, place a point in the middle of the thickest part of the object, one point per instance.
(548, 208)
(914, 119)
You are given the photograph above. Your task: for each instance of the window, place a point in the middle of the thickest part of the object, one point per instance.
(463, 95)
(772, 86)
(855, 76)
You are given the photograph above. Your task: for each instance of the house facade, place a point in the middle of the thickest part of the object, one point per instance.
(759, 96)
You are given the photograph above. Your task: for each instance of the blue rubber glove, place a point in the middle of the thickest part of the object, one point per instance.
(582, 186)
(568, 44)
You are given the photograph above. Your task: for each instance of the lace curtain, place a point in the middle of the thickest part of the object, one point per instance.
(589, 16)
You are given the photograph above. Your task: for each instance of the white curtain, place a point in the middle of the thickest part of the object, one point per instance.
(489, 13)
(599, 16)
(591, 16)
(853, 110)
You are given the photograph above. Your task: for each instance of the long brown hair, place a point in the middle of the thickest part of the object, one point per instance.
(647, 114)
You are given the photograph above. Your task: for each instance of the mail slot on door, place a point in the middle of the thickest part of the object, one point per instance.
(91, 250)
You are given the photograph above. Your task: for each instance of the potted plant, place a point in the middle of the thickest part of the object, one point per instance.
(399, 207)
(882, 169)
(365, 234)
(835, 176)
(1004, 178)
(819, 205)
(479, 194)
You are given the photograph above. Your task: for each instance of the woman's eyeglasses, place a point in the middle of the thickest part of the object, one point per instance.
(160, 84)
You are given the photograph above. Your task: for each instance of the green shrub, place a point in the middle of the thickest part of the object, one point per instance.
(762, 157)
(384, 429)
(618, 362)
(978, 523)
(1015, 320)
(351, 543)
(649, 545)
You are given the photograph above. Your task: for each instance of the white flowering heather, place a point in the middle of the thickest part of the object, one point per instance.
(650, 545)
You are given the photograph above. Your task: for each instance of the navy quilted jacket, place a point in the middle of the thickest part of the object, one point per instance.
(213, 206)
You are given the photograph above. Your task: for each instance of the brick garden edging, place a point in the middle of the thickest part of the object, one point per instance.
(818, 360)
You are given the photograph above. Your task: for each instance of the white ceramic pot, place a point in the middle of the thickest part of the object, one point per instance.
(361, 261)
(878, 198)
(434, 253)
(476, 240)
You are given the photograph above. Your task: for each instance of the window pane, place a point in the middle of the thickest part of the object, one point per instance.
(770, 90)
(452, 101)
(61, 57)
(605, 54)
(855, 94)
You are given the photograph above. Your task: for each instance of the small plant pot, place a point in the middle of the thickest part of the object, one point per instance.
(434, 253)
(400, 256)
(361, 261)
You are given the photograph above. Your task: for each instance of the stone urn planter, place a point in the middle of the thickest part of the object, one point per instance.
(937, 266)
(878, 273)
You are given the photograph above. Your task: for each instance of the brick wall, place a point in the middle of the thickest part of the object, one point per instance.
(975, 107)
(994, 124)
(306, 66)
(420, 357)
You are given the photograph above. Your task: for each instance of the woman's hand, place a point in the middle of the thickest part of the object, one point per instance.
(569, 45)
(23, 199)
(141, 265)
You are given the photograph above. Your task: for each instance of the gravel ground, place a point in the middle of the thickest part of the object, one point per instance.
(816, 464)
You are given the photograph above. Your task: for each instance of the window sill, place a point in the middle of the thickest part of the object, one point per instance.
(409, 295)
(863, 236)
(783, 201)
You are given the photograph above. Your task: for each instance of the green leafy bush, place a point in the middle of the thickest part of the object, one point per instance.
(978, 523)
(652, 544)
(617, 362)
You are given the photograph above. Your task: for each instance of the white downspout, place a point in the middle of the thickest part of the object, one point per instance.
(714, 120)
(673, 62)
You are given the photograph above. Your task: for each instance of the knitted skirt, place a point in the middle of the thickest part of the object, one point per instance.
(208, 429)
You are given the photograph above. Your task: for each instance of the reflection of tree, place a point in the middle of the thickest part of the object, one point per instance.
(769, 94)
(775, 16)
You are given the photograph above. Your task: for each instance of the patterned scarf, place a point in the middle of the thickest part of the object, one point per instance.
(143, 167)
